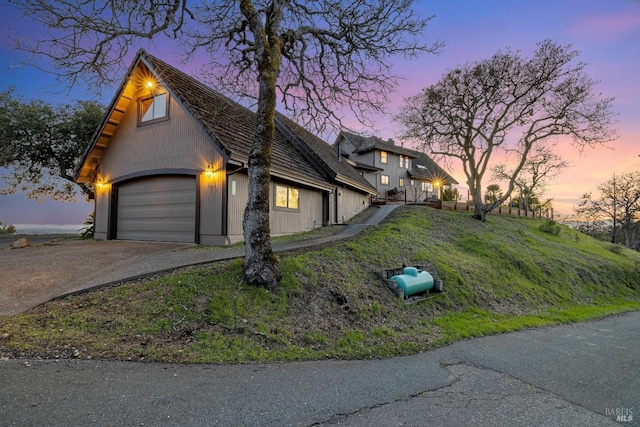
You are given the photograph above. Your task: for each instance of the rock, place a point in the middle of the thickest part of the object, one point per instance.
(5, 335)
(22, 242)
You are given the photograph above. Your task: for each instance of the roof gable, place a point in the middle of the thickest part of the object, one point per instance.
(363, 144)
(229, 126)
(323, 155)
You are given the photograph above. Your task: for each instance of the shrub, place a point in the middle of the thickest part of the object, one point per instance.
(550, 227)
(89, 227)
(6, 229)
(616, 249)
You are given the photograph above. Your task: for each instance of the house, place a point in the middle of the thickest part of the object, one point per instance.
(169, 163)
(393, 170)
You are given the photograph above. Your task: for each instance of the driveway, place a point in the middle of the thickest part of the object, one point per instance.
(39, 273)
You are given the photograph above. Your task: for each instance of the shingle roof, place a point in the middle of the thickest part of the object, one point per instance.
(423, 167)
(323, 155)
(297, 154)
(229, 123)
(368, 143)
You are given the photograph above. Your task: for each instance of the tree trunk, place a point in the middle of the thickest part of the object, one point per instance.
(261, 265)
(480, 211)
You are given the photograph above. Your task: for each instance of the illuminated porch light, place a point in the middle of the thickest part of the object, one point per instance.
(208, 172)
(149, 84)
(101, 184)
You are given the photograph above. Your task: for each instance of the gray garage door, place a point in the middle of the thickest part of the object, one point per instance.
(158, 209)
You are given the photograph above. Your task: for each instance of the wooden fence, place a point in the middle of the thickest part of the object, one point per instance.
(500, 210)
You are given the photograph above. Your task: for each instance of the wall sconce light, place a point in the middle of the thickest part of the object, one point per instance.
(100, 183)
(208, 172)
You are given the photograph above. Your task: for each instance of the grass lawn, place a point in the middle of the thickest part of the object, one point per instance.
(502, 275)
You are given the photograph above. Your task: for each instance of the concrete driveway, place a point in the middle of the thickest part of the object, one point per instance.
(36, 274)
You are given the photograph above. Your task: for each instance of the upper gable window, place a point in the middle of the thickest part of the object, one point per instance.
(383, 157)
(153, 109)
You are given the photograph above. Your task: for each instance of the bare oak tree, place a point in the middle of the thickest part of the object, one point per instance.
(542, 166)
(313, 56)
(619, 202)
(511, 104)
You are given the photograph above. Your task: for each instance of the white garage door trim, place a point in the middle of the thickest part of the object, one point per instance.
(159, 208)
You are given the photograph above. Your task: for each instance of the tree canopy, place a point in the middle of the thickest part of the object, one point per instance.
(619, 202)
(508, 104)
(315, 57)
(41, 145)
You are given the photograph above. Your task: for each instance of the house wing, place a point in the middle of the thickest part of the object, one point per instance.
(323, 156)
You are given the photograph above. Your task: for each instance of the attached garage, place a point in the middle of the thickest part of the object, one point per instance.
(159, 208)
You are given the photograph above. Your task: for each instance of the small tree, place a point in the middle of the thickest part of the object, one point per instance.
(450, 194)
(619, 203)
(41, 145)
(493, 193)
(317, 56)
(543, 166)
(511, 104)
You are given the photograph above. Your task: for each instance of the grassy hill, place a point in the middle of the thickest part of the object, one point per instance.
(499, 276)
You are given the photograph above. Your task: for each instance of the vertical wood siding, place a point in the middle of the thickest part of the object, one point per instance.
(102, 198)
(280, 221)
(237, 203)
(176, 143)
(350, 203)
(308, 217)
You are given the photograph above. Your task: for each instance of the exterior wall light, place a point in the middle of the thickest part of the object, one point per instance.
(208, 172)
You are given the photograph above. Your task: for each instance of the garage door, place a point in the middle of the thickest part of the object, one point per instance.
(158, 209)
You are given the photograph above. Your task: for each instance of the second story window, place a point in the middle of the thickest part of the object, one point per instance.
(383, 157)
(153, 109)
(384, 179)
(401, 182)
(404, 162)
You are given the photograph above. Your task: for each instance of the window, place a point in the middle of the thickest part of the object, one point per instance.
(401, 182)
(383, 157)
(404, 162)
(153, 109)
(384, 179)
(412, 183)
(287, 197)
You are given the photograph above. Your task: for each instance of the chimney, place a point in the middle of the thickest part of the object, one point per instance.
(391, 141)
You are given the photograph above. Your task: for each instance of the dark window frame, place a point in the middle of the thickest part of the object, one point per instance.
(155, 119)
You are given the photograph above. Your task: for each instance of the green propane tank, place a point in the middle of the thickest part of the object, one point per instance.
(413, 281)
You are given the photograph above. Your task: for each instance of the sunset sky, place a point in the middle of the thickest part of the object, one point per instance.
(606, 32)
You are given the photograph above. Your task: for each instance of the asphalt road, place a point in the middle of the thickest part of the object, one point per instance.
(583, 374)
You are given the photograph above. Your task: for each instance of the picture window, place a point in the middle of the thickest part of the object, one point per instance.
(287, 197)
